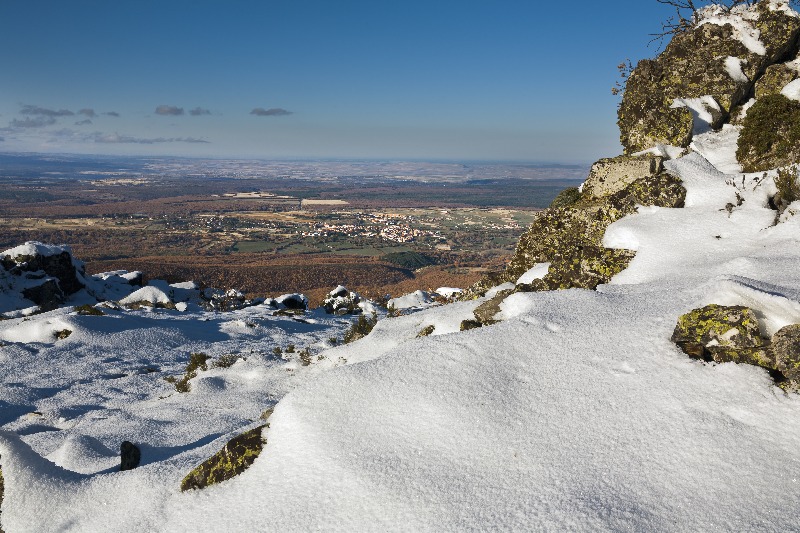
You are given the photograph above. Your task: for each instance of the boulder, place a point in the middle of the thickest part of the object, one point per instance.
(55, 262)
(705, 60)
(340, 301)
(786, 351)
(770, 136)
(722, 334)
(47, 295)
(293, 301)
(775, 78)
(611, 175)
(234, 458)
(129, 455)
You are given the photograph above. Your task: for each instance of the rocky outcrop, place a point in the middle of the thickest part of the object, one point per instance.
(234, 458)
(708, 60)
(47, 295)
(570, 238)
(770, 134)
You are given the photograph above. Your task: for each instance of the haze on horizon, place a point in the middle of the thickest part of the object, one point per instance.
(507, 80)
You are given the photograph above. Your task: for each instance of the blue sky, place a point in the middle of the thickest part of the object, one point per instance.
(503, 80)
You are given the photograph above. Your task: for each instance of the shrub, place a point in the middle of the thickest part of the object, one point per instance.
(88, 310)
(360, 328)
(196, 361)
(225, 361)
(427, 330)
(62, 334)
(788, 188)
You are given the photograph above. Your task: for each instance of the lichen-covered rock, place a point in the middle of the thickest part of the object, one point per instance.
(486, 312)
(613, 174)
(786, 351)
(770, 136)
(233, 459)
(467, 325)
(775, 78)
(570, 238)
(566, 198)
(695, 64)
(722, 334)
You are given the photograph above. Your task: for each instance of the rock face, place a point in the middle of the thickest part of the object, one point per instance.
(47, 295)
(611, 175)
(770, 134)
(707, 60)
(233, 459)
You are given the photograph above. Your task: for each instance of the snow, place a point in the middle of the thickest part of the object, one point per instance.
(414, 300)
(151, 294)
(35, 248)
(538, 271)
(449, 292)
(700, 111)
(743, 30)
(733, 65)
(574, 413)
(792, 90)
(667, 151)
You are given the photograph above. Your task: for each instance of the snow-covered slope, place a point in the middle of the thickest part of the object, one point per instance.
(575, 412)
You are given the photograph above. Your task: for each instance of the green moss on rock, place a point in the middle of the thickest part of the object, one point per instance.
(770, 136)
(233, 459)
(722, 334)
(426, 331)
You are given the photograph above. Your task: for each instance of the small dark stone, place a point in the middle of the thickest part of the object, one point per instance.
(469, 324)
(130, 455)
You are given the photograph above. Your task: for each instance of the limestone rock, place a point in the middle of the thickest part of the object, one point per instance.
(786, 350)
(611, 175)
(770, 134)
(775, 78)
(129, 455)
(234, 458)
(722, 334)
(696, 64)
